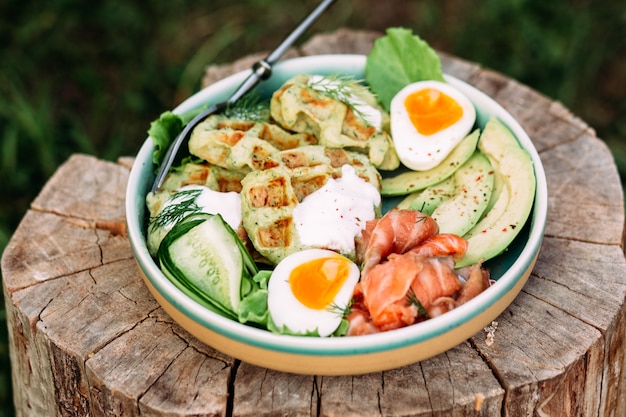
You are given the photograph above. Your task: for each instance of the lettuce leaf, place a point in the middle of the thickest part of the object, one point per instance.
(398, 59)
(164, 130)
(253, 306)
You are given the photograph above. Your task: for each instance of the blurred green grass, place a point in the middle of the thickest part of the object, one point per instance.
(89, 77)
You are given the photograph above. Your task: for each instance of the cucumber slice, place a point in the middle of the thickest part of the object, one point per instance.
(202, 257)
(249, 264)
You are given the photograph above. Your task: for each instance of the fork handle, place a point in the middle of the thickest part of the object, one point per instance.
(261, 70)
(298, 31)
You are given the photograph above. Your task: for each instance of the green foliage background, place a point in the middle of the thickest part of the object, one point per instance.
(89, 77)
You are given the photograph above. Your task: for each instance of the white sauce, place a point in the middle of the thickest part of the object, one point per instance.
(369, 114)
(334, 215)
(228, 205)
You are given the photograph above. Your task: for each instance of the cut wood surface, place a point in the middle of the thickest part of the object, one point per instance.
(87, 338)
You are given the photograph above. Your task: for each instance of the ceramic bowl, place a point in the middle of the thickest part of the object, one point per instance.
(345, 355)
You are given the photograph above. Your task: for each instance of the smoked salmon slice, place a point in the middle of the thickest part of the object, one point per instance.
(396, 232)
(398, 292)
(444, 244)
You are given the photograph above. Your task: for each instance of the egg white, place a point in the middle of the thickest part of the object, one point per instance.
(286, 310)
(422, 152)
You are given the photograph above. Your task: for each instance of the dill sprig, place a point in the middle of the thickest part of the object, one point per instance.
(174, 213)
(411, 298)
(345, 89)
(249, 107)
(421, 219)
(338, 310)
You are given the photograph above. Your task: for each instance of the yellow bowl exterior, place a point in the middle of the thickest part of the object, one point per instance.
(340, 364)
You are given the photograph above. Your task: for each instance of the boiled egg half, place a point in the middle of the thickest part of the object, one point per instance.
(310, 290)
(428, 119)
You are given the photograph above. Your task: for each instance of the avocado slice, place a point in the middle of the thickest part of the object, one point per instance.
(428, 199)
(473, 187)
(409, 182)
(511, 199)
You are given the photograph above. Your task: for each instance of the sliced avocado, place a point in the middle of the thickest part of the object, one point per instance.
(499, 140)
(473, 186)
(428, 199)
(409, 182)
(511, 203)
(496, 148)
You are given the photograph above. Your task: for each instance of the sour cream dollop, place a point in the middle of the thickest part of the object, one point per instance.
(228, 205)
(333, 216)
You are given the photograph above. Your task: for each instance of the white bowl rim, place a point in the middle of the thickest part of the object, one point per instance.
(337, 346)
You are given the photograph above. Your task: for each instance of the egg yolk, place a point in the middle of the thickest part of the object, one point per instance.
(316, 283)
(431, 110)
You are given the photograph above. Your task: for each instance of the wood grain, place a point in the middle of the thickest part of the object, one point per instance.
(87, 338)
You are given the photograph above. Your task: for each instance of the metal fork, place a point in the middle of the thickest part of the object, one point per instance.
(261, 70)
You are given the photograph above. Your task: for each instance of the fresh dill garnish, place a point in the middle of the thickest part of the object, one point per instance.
(338, 310)
(249, 107)
(345, 89)
(173, 213)
(421, 219)
(412, 299)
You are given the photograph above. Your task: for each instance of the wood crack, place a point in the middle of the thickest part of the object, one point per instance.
(494, 371)
(316, 397)
(33, 326)
(156, 380)
(577, 239)
(230, 402)
(379, 395)
(425, 381)
(115, 227)
(560, 308)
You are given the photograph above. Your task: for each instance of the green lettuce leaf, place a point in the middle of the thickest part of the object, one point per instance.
(163, 131)
(398, 59)
(253, 306)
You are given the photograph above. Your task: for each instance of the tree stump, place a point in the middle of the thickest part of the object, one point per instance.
(87, 338)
